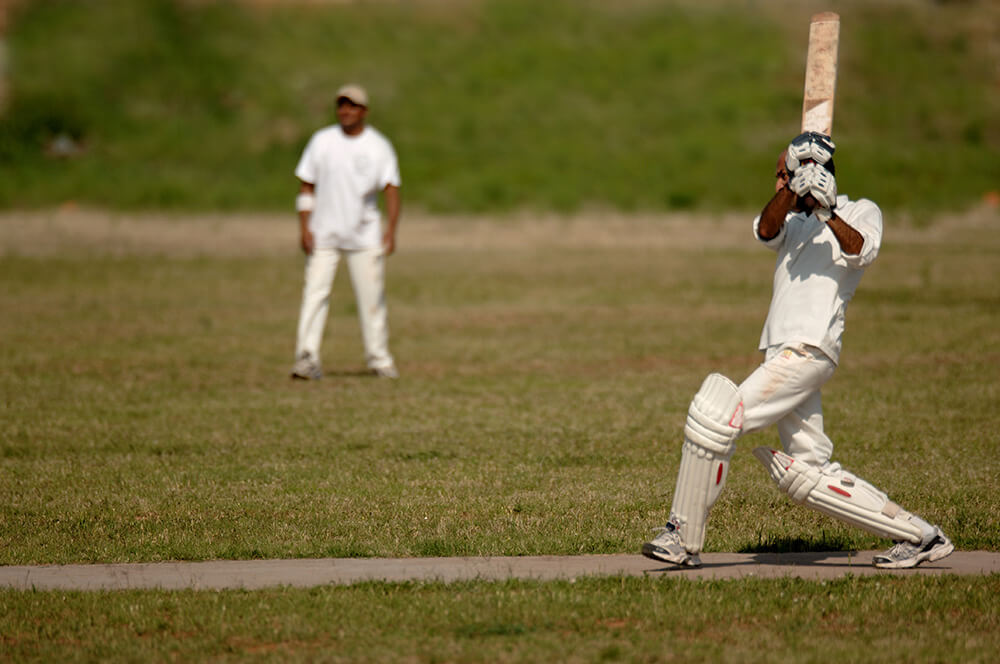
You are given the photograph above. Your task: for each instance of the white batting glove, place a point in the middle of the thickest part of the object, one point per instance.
(813, 179)
(808, 147)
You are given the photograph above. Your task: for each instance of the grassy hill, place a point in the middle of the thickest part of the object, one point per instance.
(493, 105)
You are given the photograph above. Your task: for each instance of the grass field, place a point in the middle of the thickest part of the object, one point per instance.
(547, 359)
(547, 365)
(921, 619)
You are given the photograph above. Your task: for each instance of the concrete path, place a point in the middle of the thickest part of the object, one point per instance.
(250, 574)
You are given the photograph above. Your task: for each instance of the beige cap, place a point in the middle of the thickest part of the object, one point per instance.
(355, 93)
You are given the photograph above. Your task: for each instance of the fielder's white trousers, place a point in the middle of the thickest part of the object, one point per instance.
(785, 390)
(367, 271)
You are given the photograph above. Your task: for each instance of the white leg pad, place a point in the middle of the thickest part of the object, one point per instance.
(837, 493)
(714, 421)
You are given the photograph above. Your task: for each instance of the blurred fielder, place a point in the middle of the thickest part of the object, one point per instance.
(824, 243)
(342, 171)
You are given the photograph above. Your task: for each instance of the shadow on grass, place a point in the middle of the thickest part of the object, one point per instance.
(338, 373)
(350, 373)
(823, 543)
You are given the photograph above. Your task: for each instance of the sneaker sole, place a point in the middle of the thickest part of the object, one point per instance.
(938, 552)
(662, 555)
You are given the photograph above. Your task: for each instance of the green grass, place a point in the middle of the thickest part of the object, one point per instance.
(148, 416)
(146, 413)
(494, 104)
(590, 620)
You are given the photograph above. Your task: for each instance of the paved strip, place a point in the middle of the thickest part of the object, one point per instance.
(302, 573)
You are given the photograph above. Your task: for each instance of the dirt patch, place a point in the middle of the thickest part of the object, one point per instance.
(72, 230)
(63, 231)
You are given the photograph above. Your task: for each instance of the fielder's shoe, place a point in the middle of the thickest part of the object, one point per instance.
(386, 372)
(905, 554)
(669, 547)
(306, 368)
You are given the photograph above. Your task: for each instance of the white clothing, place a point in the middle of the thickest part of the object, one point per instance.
(348, 173)
(814, 280)
(785, 389)
(367, 270)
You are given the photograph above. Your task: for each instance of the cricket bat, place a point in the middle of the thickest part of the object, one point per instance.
(821, 73)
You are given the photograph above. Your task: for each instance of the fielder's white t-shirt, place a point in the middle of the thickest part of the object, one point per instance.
(814, 280)
(348, 172)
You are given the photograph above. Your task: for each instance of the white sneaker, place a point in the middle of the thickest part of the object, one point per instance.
(306, 368)
(904, 554)
(386, 372)
(669, 548)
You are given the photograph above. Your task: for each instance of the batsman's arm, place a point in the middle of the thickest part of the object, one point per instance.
(772, 217)
(851, 241)
(392, 209)
(304, 205)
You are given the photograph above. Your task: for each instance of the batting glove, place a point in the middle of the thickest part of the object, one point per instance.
(808, 147)
(813, 179)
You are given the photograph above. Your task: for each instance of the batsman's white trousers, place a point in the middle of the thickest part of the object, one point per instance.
(785, 390)
(367, 271)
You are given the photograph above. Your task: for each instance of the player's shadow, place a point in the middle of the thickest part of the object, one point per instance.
(350, 373)
(341, 373)
(804, 551)
(824, 550)
(823, 544)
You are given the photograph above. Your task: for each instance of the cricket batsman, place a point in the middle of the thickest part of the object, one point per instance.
(824, 242)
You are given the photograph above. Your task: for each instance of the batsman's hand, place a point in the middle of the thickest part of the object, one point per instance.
(810, 147)
(814, 180)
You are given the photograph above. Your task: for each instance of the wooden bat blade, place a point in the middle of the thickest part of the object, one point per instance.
(821, 73)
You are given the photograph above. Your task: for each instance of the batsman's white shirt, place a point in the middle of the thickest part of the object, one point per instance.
(348, 173)
(814, 280)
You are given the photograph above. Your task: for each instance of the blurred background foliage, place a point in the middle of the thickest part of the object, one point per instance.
(493, 105)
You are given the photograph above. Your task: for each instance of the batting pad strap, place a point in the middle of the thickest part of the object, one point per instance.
(715, 417)
(891, 509)
(839, 494)
(799, 485)
(305, 202)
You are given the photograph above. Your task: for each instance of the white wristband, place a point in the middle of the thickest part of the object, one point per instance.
(305, 202)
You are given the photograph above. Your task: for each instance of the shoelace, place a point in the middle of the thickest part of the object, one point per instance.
(902, 549)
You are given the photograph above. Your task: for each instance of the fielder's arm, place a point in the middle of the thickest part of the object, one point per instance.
(392, 208)
(303, 205)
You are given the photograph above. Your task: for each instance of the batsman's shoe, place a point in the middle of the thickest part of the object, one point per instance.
(904, 554)
(669, 548)
(306, 368)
